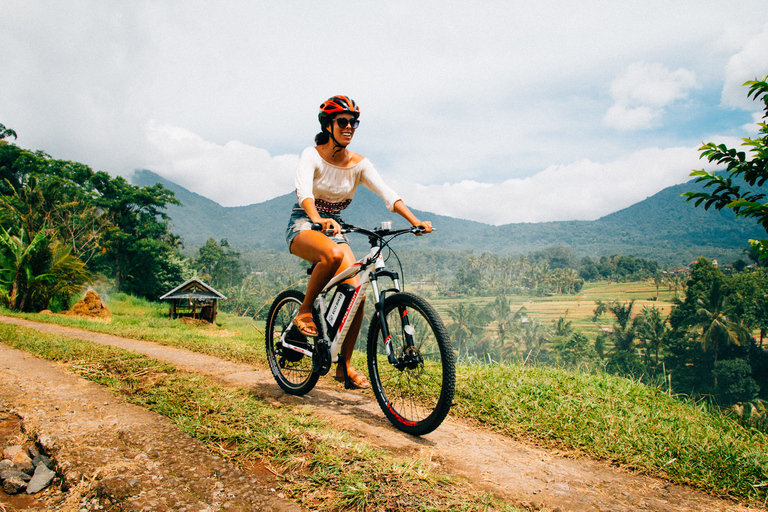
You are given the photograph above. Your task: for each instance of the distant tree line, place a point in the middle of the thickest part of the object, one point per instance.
(553, 270)
(62, 224)
(710, 345)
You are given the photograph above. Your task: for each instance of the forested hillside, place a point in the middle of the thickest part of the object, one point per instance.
(662, 227)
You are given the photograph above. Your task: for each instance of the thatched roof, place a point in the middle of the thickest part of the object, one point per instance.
(194, 289)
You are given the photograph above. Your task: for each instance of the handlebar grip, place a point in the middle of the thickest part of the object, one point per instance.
(317, 227)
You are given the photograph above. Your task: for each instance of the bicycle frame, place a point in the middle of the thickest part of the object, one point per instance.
(408, 350)
(370, 267)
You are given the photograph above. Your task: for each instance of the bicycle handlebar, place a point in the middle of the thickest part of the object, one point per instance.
(377, 232)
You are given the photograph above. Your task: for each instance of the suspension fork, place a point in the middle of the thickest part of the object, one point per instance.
(380, 296)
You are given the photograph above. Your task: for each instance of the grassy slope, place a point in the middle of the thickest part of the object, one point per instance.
(594, 413)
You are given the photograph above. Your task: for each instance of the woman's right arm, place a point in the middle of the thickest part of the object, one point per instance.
(304, 182)
(305, 177)
(329, 225)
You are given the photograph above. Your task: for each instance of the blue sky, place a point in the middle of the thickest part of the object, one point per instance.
(494, 111)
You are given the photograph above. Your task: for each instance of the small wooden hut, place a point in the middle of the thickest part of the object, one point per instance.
(194, 299)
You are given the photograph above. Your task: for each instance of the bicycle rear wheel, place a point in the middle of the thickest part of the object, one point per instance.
(292, 370)
(417, 392)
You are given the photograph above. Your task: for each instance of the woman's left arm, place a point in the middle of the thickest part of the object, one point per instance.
(403, 210)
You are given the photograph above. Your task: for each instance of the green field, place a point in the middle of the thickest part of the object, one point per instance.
(578, 309)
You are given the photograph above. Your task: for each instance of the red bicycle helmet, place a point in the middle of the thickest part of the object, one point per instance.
(336, 105)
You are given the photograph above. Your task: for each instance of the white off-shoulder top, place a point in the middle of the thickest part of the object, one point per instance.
(333, 187)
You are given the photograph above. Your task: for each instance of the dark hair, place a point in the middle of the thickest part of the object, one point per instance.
(325, 134)
(322, 137)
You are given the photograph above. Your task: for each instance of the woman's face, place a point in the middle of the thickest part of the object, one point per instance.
(343, 135)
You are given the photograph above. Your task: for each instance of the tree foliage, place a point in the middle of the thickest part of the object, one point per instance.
(651, 330)
(62, 222)
(714, 325)
(219, 265)
(749, 165)
(5, 133)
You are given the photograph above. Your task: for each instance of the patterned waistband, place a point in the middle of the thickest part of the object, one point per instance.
(328, 207)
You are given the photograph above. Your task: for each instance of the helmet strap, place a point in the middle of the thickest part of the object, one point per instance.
(337, 147)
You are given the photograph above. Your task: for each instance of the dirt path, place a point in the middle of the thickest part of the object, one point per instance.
(525, 475)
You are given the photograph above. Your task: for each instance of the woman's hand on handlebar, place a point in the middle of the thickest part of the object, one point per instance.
(403, 211)
(328, 226)
(423, 227)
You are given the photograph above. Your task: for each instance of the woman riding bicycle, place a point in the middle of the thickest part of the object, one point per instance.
(326, 181)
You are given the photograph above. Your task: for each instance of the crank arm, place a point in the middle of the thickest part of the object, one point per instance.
(301, 350)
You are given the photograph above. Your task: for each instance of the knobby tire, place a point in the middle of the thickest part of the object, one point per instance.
(292, 371)
(416, 399)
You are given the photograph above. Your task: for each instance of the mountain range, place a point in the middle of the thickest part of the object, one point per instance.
(662, 227)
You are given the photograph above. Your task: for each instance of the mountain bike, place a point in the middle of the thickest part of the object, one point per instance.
(411, 363)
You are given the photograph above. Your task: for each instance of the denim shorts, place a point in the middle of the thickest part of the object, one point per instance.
(299, 222)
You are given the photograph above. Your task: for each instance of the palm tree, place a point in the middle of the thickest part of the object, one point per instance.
(5, 133)
(557, 277)
(501, 312)
(34, 271)
(532, 334)
(67, 274)
(623, 335)
(651, 329)
(622, 312)
(563, 327)
(537, 275)
(713, 317)
(16, 257)
(464, 326)
(658, 278)
(676, 282)
(571, 278)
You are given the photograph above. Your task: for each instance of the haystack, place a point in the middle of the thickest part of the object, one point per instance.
(90, 306)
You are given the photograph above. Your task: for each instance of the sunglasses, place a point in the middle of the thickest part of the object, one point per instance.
(343, 122)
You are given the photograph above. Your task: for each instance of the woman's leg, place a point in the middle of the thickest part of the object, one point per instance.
(348, 345)
(328, 257)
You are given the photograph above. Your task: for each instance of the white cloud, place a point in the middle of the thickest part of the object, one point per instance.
(749, 63)
(477, 94)
(232, 175)
(752, 129)
(625, 117)
(643, 91)
(582, 190)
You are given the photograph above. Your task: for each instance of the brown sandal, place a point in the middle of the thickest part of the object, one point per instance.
(306, 325)
(354, 380)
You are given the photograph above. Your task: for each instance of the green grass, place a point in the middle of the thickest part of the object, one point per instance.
(620, 420)
(235, 338)
(594, 413)
(320, 467)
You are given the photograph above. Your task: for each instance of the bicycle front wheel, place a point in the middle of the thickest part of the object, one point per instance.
(415, 385)
(292, 370)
